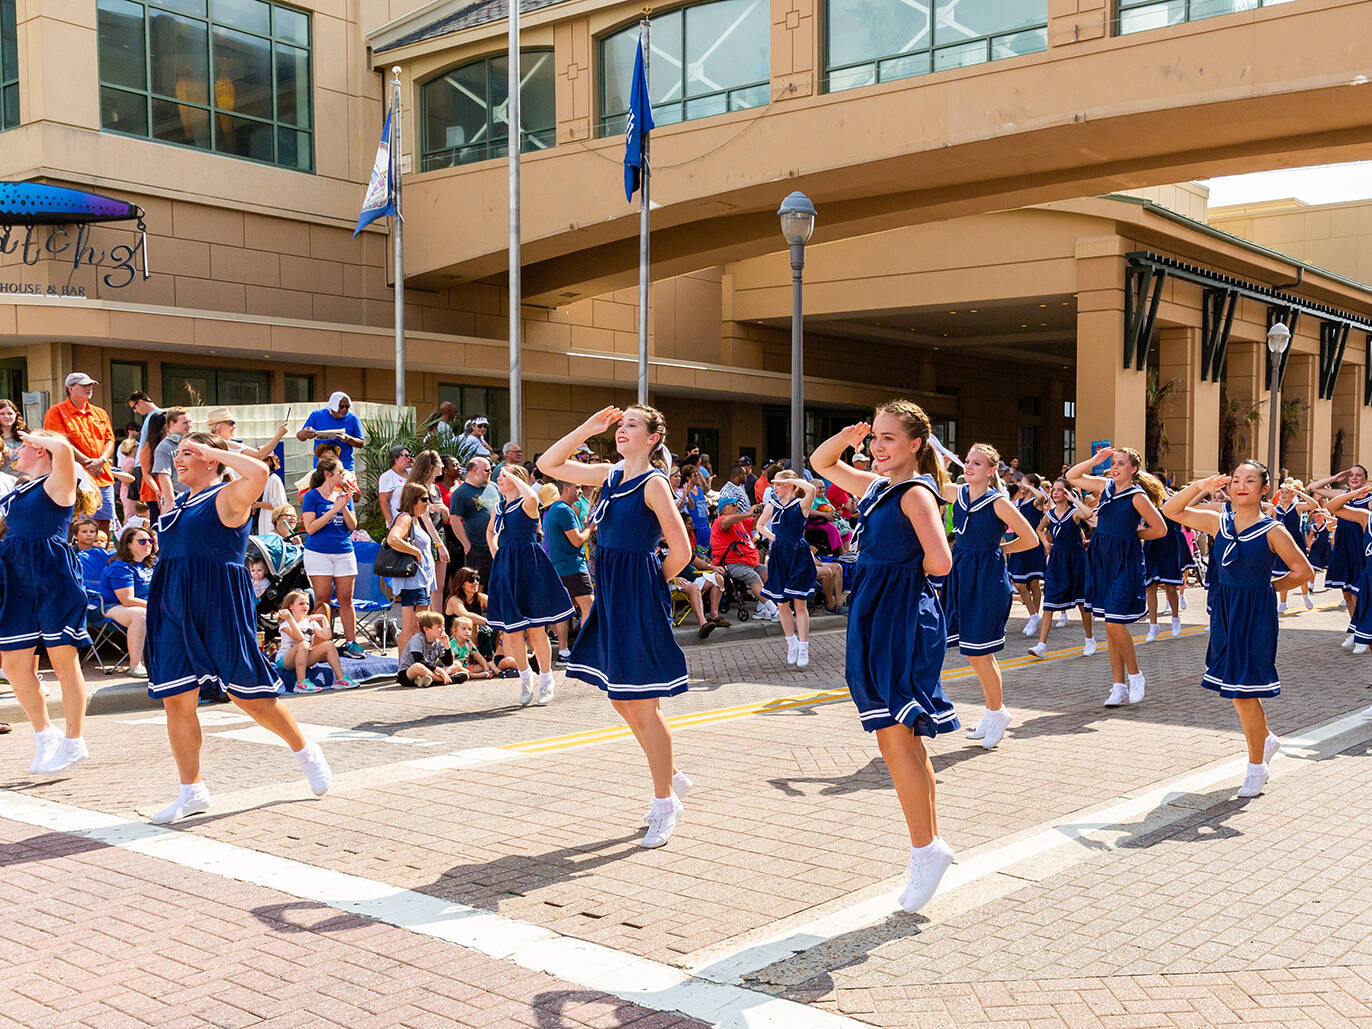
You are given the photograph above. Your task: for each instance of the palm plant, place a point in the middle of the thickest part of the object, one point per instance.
(1155, 435)
(1238, 428)
(1291, 412)
(373, 457)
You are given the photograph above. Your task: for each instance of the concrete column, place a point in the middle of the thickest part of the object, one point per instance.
(573, 50)
(796, 70)
(1346, 413)
(1191, 413)
(1308, 451)
(1247, 388)
(1110, 398)
(58, 64)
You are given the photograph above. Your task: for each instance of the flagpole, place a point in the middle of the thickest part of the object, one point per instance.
(643, 237)
(515, 290)
(397, 234)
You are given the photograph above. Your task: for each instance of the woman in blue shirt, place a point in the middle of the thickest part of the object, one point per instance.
(327, 513)
(124, 588)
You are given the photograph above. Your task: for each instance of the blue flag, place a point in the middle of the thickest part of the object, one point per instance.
(639, 125)
(380, 199)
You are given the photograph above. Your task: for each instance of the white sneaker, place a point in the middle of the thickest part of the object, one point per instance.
(925, 875)
(1136, 688)
(803, 655)
(978, 731)
(1032, 626)
(1176, 627)
(681, 785)
(67, 753)
(1088, 647)
(792, 648)
(1039, 650)
(1254, 781)
(317, 771)
(1061, 620)
(1153, 629)
(1270, 747)
(1281, 610)
(138, 672)
(1119, 694)
(1348, 642)
(661, 823)
(45, 744)
(545, 692)
(1360, 648)
(1183, 601)
(526, 691)
(1309, 602)
(192, 800)
(996, 721)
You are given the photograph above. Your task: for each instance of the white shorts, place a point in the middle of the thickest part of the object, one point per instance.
(336, 566)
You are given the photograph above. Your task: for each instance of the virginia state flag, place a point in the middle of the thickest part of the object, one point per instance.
(639, 125)
(380, 199)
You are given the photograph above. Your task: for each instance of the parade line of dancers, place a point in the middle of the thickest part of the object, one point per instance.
(913, 596)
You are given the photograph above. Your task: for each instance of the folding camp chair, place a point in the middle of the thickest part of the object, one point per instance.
(372, 598)
(104, 632)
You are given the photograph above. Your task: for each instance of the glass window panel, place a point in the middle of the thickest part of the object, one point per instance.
(1213, 8)
(667, 114)
(9, 101)
(123, 112)
(299, 388)
(960, 56)
(179, 123)
(292, 26)
(465, 110)
(1031, 41)
(727, 44)
(745, 99)
(292, 85)
(181, 62)
(123, 54)
(615, 125)
(903, 67)
(253, 15)
(852, 78)
(536, 92)
(968, 19)
(704, 107)
(9, 41)
(665, 63)
(242, 73)
(863, 30)
(293, 149)
(243, 138)
(195, 7)
(125, 377)
(1154, 16)
(616, 71)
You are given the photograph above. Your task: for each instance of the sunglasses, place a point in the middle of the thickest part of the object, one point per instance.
(145, 540)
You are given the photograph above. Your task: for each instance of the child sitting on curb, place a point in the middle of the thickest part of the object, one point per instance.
(468, 656)
(299, 630)
(427, 658)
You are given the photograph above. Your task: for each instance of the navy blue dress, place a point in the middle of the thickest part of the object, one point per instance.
(1347, 560)
(1027, 565)
(1066, 575)
(896, 631)
(1361, 625)
(201, 624)
(626, 646)
(976, 596)
(1320, 548)
(524, 587)
(790, 564)
(1164, 559)
(42, 598)
(1290, 518)
(1115, 558)
(1241, 660)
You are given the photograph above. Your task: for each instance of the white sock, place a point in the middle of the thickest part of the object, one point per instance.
(526, 676)
(1135, 677)
(52, 732)
(927, 851)
(545, 678)
(662, 805)
(803, 645)
(1089, 639)
(1255, 768)
(791, 640)
(192, 791)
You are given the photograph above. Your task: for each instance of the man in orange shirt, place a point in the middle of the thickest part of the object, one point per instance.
(90, 431)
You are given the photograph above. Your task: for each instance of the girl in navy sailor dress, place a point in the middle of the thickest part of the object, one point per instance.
(976, 596)
(1241, 659)
(1162, 566)
(896, 632)
(201, 616)
(1115, 557)
(1355, 520)
(790, 563)
(1318, 543)
(1288, 507)
(42, 599)
(526, 595)
(1346, 559)
(1065, 579)
(626, 645)
(1026, 567)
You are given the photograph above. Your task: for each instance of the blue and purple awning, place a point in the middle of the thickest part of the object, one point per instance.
(31, 203)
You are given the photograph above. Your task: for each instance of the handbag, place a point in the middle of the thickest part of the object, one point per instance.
(392, 564)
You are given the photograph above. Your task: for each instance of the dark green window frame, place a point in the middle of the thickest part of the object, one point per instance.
(290, 34)
(9, 64)
(495, 142)
(1145, 15)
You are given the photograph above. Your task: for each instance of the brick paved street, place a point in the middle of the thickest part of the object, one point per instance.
(477, 864)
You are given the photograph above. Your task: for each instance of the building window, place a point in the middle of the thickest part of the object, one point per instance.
(299, 388)
(465, 110)
(189, 386)
(1142, 15)
(870, 41)
(1028, 446)
(1069, 446)
(233, 78)
(491, 401)
(125, 377)
(9, 64)
(1030, 407)
(946, 429)
(706, 59)
(1069, 408)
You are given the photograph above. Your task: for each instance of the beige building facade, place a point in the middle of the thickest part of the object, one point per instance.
(1008, 323)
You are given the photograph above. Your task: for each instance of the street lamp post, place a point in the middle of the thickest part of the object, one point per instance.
(1278, 339)
(797, 215)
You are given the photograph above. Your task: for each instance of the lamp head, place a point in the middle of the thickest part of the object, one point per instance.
(797, 218)
(1278, 338)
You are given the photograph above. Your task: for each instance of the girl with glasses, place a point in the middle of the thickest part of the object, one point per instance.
(124, 586)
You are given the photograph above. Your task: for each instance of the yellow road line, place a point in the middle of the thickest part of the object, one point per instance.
(587, 737)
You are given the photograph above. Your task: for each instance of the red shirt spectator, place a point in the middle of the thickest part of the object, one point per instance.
(733, 545)
(87, 427)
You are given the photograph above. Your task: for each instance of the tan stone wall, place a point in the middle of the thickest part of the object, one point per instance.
(1333, 236)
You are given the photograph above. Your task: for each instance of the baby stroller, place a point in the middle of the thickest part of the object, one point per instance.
(285, 563)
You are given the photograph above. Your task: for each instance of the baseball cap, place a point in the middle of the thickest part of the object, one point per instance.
(479, 420)
(80, 379)
(864, 458)
(746, 461)
(220, 414)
